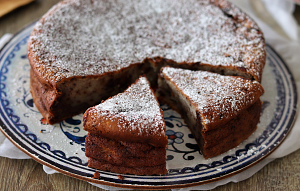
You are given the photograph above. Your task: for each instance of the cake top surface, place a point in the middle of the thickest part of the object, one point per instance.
(136, 103)
(215, 96)
(135, 110)
(80, 37)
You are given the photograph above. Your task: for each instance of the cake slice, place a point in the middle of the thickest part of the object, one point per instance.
(221, 111)
(126, 133)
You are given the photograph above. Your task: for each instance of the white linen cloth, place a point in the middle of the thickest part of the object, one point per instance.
(289, 50)
(281, 11)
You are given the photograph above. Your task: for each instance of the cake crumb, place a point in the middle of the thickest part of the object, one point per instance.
(43, 121)
(42, 130)
(121, 177)
(96, 175)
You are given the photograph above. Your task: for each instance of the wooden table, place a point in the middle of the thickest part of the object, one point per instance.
(281, 174)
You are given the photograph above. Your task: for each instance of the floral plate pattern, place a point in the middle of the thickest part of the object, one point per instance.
(61, 146)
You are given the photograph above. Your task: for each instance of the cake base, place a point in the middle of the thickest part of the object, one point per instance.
(125, 157)
(105, 166)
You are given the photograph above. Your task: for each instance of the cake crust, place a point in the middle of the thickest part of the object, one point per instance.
(230, 134)
(148, 170)
(122, 153)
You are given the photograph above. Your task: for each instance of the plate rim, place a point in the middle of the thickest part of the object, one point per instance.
(291, 122)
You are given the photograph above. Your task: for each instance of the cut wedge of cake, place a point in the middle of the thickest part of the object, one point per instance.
(127, 132)
(221, 111)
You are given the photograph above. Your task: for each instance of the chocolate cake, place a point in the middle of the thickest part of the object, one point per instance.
(221, 111)
(126, 133)
(82, 52)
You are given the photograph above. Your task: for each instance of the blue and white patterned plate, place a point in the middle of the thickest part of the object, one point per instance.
(61, 146)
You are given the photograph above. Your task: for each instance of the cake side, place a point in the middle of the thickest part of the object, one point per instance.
(230, 134)
(125, 157)
(143, 170)
(216, 125)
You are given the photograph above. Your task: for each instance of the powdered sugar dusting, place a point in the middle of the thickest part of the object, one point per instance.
(217, 97)
(137, 105)
(81, 37)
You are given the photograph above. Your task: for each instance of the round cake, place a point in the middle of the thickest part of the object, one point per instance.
(82, 52)
(85, 51)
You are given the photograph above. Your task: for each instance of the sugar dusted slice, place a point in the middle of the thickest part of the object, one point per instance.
(133, 115)
(221, 111)
(127, 132)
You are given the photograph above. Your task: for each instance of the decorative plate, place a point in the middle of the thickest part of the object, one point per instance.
(61, 146)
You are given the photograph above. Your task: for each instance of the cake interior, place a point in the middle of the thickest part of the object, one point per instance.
(73, 96)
